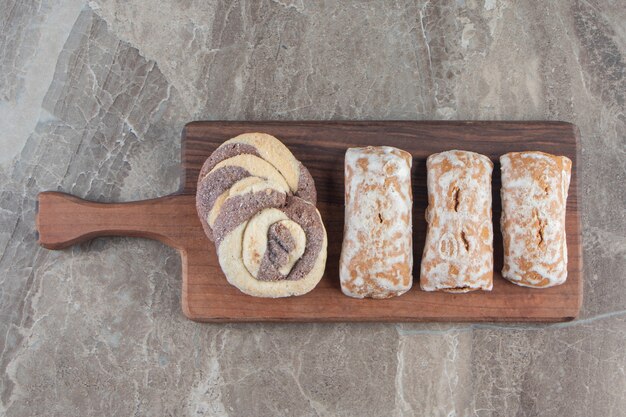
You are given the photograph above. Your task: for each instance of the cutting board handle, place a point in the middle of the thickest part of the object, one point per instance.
(64, 220)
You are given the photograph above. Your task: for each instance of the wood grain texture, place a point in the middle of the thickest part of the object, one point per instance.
(64, 220)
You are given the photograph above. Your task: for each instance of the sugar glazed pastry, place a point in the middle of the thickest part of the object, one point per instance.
(257, 203)
(458, 254)
(377, 253)
(534, 192)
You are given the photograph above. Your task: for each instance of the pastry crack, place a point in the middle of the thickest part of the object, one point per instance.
(541, 224)
(457, 198)
(465, 241)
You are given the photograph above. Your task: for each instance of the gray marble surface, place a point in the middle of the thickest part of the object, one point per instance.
(93, 96)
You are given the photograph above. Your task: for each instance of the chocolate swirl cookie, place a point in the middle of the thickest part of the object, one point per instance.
(250, 155)
(260, 213)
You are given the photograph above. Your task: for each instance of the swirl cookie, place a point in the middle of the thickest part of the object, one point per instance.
(256, 202)
(250, 154)
(277, 251)
(458, 254)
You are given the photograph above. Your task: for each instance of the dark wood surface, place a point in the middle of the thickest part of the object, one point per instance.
(64, 220)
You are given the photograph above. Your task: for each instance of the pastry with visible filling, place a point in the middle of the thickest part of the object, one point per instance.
(377, 252)
(458, 254)
(533, 194)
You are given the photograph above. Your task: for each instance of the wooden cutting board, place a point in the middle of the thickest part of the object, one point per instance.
(63, 220)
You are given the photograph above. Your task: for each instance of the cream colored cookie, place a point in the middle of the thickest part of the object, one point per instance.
(274, 152)
(256, 202)
(255, 240)
(230, 252)
(246, 185)
(256, 167)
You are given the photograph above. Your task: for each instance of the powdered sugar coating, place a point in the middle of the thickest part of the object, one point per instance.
(377, 252)
(458, 254)
(534, 193)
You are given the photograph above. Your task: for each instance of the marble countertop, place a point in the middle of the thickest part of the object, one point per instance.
(93, 96)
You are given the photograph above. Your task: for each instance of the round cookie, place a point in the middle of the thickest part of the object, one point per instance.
(256, 202)
(215, 185)
(262, 274)
(274, 152)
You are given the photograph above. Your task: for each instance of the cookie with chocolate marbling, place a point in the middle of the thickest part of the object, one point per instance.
(249, 154)
(257, 203)
(279, 251)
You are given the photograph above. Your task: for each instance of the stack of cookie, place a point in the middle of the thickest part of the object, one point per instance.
(256, 201)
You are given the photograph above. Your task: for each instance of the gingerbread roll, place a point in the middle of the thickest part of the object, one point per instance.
(458, 254)
(377, 253)
(534, 193)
